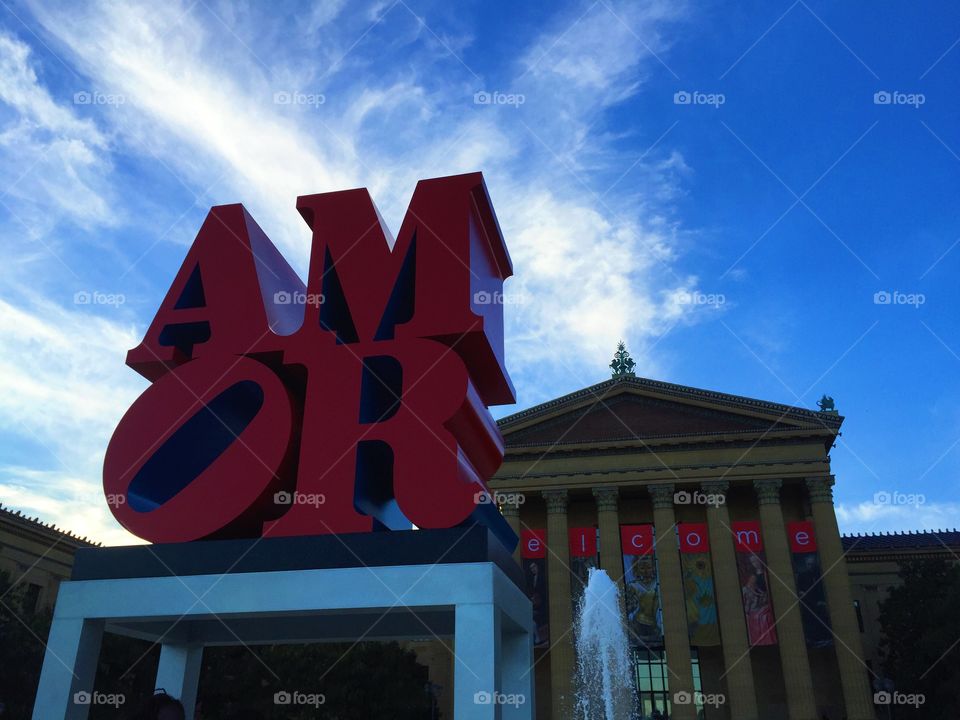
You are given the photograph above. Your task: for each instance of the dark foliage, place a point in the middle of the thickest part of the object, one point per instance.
(356, 682)
(921, 628)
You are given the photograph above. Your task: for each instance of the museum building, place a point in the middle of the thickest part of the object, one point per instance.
(715, 514)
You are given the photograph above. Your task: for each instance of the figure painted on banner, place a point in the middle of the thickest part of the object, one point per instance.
(756, 600)
(701, 603)
(642, 599)
(813, 600)
(536, 591)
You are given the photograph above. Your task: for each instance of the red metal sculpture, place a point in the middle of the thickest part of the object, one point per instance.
(356, 403)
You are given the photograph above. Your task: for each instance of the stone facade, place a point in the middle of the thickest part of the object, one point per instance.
(36, 555)
(634, 451)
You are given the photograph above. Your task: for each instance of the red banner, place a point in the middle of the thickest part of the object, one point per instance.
(693, 538)
(533, 544)
(802, 537)
(746, 536)
(636, 539)
(583, 542)
(810, 590)
(533, 550)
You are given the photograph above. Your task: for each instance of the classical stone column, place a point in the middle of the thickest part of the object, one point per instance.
(561, 612)
(793, 647)
(178, 672)
(608, 522)
(738, 668)
(676, 638)
(857, 697)
(511, 513)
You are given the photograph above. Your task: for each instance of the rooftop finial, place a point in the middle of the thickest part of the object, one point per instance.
(622, 364)
(826, 405)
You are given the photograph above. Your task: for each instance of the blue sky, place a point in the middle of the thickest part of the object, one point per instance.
(727, 187)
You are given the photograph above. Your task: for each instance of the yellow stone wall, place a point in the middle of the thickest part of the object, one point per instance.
(36, 555)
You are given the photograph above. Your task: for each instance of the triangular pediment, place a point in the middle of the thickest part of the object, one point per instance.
(636, 408)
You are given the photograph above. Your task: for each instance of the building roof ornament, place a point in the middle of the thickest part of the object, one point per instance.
(826, 405)
(622, 364)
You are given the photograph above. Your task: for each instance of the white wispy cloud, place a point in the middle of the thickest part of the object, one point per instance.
(61, 393)
(870, 516)
(223, 127)
(53, 164)
(593, 264)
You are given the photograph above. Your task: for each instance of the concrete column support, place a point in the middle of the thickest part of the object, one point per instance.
(511, 513)
(178, 672)
(738, 668)
(608, 522)
(793, 647)
(476, 681)
(69, 668)
(676, 638)
(857, 697)
(561, 611)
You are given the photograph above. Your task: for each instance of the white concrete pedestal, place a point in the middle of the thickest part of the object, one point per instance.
(485, 614)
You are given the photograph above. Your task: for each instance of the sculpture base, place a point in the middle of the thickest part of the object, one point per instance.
(458, 584)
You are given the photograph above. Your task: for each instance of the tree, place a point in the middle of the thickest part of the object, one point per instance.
(125, 666)
(22, 634)
(356, 682)
(920, 626)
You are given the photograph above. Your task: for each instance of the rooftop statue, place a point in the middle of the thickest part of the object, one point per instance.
(622, 364)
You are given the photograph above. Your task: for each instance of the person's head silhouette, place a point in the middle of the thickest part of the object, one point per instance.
(164, 707)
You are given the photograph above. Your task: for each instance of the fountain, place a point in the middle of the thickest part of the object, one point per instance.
(604, 677)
